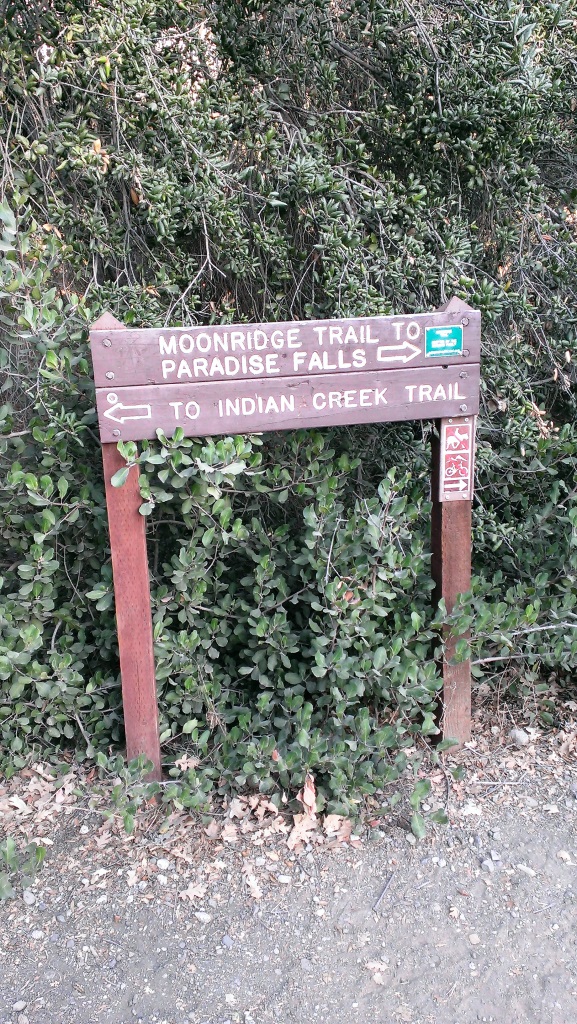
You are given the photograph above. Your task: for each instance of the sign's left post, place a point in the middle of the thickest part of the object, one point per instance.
(127, 530)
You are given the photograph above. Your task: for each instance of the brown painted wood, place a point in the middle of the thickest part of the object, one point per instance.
(451, 570)
(123, 357)
(248, 406)
(133, 615)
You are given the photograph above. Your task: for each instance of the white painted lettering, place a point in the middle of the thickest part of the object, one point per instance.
(192, 410)
(200, 367)
(248, 406)
(350, 400)
(176, 406)
(413, 330)
(168, 366)
(369, 338)
(320, 331)
(298, 359)
(411, 388)
(319, 400)
(365, 398)
(440, 393)
(185, 343)
(335, 334)
(359, 358)
(165, 347)
(271, 359)
(292, 336)
(232, 406)
(183, 369)
(277, 339)
(425, 393)
(287, 403)
(203, 342)
(335, 399)
(380, 396)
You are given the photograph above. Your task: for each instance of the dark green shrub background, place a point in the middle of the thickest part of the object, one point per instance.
(192, 163)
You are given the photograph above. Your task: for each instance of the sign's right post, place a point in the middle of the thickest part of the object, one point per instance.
(452, 492)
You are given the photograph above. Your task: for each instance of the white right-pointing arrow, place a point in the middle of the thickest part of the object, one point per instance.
(456, 485)
(406, 347)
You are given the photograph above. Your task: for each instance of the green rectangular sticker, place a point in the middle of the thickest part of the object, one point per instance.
(443, 341)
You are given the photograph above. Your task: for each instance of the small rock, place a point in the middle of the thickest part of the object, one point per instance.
(531, 802)
(163, 864)
(22, 1018)
(29, 897)
(306, 964)
(162, 879)
(474, 939)
(563, 855)
(526, 870)
(573, 789)
(227, 941)
(203, 917)
(20, 1005)
(410, 839)
(487, 865)
(519, 737)
(37, 934)
(495, 855)
(84, 830)
(284, 879)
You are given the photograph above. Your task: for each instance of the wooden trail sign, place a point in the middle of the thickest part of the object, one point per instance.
(247, 378)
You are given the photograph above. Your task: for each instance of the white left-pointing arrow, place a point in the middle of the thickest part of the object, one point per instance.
(119, 412)
(398, 353)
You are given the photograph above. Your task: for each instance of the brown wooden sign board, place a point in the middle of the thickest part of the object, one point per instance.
(198, 355)
(247, 378)
(243, 407)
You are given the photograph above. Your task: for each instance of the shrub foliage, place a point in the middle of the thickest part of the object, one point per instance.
(180, 162)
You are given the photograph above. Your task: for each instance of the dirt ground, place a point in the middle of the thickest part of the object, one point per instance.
(249, 919)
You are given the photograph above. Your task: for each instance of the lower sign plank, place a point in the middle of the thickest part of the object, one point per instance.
(237, 407)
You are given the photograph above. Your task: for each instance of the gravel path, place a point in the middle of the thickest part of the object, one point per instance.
(173, 926)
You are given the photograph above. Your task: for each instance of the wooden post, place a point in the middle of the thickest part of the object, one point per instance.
(133, 616)
(451, 570)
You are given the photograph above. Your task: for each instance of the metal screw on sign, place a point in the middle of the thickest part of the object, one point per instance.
(463, 408)
(107, 343)
(466, 352)
(465, 321)
(116, 433)
(109, 375)
(463, 375)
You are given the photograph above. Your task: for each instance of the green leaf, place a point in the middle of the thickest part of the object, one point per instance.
(418, 826)
(120, 477)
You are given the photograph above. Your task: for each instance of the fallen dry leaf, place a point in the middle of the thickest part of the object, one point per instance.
(304, 824)
(186, 761)
(229, 834)
(308, 796)
(212, 830)
(194, 892)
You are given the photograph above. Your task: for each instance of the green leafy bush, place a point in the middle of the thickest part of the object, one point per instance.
(182, 163)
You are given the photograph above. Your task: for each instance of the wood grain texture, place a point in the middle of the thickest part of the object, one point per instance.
(124, 357)
(451, 570)
(236, 407)
(133, 614)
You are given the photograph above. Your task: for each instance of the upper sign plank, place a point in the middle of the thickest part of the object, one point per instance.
(124, 357)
